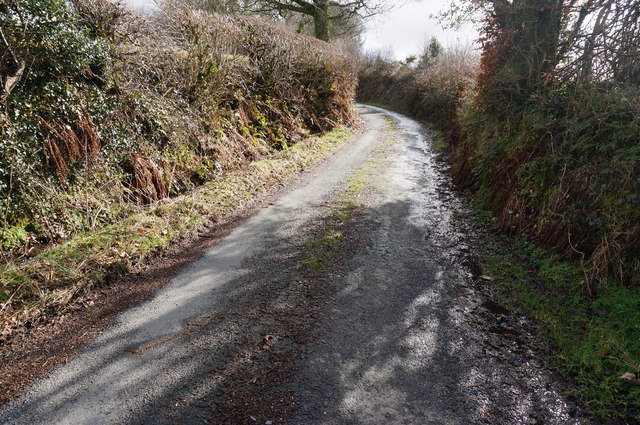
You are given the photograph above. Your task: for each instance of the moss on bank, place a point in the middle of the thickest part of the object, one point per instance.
(595, 339)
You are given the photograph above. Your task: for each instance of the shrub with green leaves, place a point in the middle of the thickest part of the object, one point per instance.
(570, 158)
(57, 64)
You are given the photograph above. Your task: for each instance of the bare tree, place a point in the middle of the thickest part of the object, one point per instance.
(324, 13)
(329, 19)
(528, 43)
(602, 42)
(526, 35)
(13, 29)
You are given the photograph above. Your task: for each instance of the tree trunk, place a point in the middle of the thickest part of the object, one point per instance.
(321, 19)
(526, 47)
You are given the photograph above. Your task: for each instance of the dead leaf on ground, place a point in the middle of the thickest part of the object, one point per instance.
(485, 277)
(631, 378)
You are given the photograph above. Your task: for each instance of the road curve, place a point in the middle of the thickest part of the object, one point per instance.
(400, 337)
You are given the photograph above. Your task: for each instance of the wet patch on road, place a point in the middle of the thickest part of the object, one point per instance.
(413, 334)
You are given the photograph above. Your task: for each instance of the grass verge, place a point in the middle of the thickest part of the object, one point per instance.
(595, 337)
(327, 248)
(50, 283)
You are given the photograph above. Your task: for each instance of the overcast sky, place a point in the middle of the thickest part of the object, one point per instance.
(402, 31)
(405, 28)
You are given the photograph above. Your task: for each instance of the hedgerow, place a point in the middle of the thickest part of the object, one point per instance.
(103, 111)
(568, 166)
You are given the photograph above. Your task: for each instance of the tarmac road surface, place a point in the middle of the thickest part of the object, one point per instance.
(399, 331)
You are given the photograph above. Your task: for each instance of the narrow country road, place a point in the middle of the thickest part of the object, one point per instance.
(389, 325)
